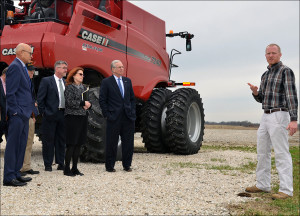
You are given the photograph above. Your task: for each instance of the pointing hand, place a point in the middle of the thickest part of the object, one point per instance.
(253, 88)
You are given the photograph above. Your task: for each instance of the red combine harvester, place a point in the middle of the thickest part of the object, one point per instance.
(92, 33)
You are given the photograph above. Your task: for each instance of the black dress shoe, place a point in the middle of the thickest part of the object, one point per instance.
(15, 183)
(60, 167)
(77, 172)
(31, 172)
(23, 173)
(48, 169)
(110, 170)
(128, 169)
(24, 179)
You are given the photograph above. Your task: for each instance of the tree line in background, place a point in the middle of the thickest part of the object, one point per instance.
(237, 123)
(234, 123)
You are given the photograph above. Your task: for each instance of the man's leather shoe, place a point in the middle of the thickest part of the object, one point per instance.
(31, 172)
(60, 167)
(77, 172)
(128, 169)
(24, 179)
(254, 189)
(15, 183)
(280, 195)
(110, 170)
(23, 173)
(48, 169)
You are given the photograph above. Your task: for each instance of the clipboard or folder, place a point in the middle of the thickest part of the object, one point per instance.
(85, 95)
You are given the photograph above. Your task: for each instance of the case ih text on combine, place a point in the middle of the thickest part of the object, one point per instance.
(92, 33)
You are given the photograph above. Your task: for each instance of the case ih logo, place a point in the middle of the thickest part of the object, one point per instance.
(11, 51)
(98, 39)
(93, 37)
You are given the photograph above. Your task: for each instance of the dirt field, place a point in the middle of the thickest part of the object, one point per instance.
(160, 184)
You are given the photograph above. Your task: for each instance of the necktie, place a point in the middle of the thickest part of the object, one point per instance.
(62, 95)
(120, 87)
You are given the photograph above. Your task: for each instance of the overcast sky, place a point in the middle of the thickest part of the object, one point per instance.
(228, 49)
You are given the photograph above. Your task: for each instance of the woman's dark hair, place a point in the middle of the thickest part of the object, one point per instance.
(71, 74)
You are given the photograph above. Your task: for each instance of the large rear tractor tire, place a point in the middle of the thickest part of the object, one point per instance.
(153, 121)
(185, 121)
(94, 148)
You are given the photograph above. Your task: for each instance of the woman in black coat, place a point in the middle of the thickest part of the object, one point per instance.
(75, 119)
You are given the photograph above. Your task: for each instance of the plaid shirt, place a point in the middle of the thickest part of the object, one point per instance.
(278, 90)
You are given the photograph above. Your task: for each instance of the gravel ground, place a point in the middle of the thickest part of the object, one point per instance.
(160, 184)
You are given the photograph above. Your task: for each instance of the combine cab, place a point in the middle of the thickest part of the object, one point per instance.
(92, 33)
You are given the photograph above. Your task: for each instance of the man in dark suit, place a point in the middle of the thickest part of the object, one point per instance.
(19, 106)
(117, 102)
(51, 104)
(3, 124)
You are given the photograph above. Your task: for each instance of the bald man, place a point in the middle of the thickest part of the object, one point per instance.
(19, 106)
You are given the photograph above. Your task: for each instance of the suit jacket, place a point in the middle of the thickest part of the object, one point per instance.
(111, 101)
(19, 92)
(48, 98)
(74, 102)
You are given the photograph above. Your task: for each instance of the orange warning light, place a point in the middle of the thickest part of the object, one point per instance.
(188, 84)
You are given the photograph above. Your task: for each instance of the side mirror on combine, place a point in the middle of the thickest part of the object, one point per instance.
(188, 43)
(185, 35)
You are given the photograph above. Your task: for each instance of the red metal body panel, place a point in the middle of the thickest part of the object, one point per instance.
(137, 39)
(146, 34)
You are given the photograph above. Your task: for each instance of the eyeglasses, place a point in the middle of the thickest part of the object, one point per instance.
(31, 53)
(80, 74)
(120, 67)
(65, 68)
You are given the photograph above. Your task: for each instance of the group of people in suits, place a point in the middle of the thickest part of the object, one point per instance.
(65, 114)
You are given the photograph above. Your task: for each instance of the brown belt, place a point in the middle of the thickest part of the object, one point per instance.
(275, 110)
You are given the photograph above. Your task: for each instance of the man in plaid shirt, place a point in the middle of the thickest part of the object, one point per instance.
(278, 95)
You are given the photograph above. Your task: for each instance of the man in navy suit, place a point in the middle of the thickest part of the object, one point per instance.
(19, 106)
(117, 102)
(51, 103)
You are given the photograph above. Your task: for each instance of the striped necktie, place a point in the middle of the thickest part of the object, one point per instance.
(120, 87)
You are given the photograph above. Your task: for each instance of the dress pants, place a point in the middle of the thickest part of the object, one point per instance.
(54, 139)
(27, 157)
(15, 147)
(123, 127)
(272, 132)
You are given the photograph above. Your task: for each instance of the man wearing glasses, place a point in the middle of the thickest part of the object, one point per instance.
(51, 104)
(117, 102)
(19, 106)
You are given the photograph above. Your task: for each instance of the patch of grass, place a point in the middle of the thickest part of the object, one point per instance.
(218, 159)
(222, 168)
(186, 165)
(169, 172)
(233, 148)
(267, 206)
(250, 166)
